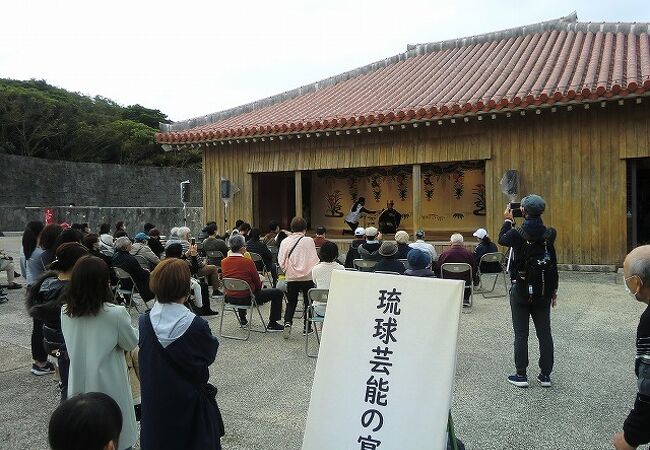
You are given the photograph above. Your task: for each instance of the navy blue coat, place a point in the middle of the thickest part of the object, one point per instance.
(176, 412)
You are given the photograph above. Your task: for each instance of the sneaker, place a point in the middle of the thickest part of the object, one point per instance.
(274, 327)
(544, 380)
(467, 305)
(287, 330)
(306, 331)
(518, 380)
(47, 369)
(14, 285)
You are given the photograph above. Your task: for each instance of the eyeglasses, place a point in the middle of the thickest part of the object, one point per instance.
(627, 287)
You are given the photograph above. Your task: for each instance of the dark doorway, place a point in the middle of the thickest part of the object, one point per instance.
(275, 199)
(638, 204)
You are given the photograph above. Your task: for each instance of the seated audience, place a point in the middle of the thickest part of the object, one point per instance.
(7, 265)
(154, 242)
(209, 271)
(236, 266)
(322, 272)
(420, 244)
(457, 253)
(106, 241)
(353, 251)
(370, 248)
(91, 421)
(69, 235)
(44, 301)
(91, 242)
(254, 245)
(141, 248)
(120, 233)
(104, 228)
(270, 238)
(203, 235)
(403, 248)
(120, 226)
(419, 264)
(213, 243)
(97, 333)
(174, 238)
(176, 251)
(245, 229)
(484, 247)
(125, 261)
(388, 261)
(179, 409)
(147, 227)
(320, 239)
(83, 228)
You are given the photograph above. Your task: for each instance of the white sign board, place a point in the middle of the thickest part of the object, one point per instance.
(386, 363)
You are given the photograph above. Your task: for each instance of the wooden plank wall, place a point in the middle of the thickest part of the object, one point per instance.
(572, 158)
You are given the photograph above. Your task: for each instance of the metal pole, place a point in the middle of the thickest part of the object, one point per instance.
(185, 212)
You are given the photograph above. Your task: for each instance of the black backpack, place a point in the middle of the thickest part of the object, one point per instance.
(537, 275)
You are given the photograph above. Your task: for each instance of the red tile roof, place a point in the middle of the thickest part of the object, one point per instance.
(561, 61)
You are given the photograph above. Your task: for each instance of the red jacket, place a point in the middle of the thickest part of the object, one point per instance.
(242, 269)
(457, 254)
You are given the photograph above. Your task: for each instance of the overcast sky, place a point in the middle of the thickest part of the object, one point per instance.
(189, 58)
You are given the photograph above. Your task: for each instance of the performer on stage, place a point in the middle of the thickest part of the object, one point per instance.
(352, 219)
(389, 219)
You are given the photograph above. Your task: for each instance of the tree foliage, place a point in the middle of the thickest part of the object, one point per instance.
(40, 120)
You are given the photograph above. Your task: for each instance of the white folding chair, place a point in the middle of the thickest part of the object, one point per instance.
(364, 265)
(122, 277)
(496, 257)
(144, 262)
(460, 268)
(234, 284)
(320, 296)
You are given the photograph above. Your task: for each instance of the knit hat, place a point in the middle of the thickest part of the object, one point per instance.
(67, 255)
(360, 231)
(141, 237)
(107, 240)
(401, 237)
(388, 248)
(122, 243)
(480, 233)
(418, 259)
(533, 204)
(371, 232)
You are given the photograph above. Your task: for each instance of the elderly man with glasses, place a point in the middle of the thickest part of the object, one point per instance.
(636, 429)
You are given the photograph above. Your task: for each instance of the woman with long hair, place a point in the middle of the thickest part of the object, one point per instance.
(352, 219)
(97, 333)
(176, 348)
(29, 243)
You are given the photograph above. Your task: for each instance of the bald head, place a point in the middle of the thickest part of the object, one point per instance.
(637, 265)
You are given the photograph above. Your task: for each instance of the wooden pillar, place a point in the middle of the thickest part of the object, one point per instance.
(417, 197)
(298, 186)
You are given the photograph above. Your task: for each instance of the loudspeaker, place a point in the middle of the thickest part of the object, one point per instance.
(225, 188)
(185, 192)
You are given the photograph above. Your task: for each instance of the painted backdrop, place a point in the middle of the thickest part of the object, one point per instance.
(453, 196)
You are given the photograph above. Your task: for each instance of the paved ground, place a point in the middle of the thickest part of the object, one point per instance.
(264, 383)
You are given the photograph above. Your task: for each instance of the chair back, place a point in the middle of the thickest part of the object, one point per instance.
(318, 295)
(121, 273)
(144, 262)
(365, 264)
(214, 254)
(455, 268)
(496, 257)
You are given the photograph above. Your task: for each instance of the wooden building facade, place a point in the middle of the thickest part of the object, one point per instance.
(584, 146)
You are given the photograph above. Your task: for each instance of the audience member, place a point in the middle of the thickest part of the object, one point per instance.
(120, 233)
(174, 238)
(91, 242)
(484, 247)
(147, 227)
(370, 248)
(29, 244)
(636, 428)
(209, 271)
(213, 243)
(236, 266)
(297, 257)
(44, 301)
(254, 245)
(43, 254)
(97, 333)
(154, 242)
(457, 253)
(402, 240)
(83, 228)
(91, 421)
(176, 350)
(270, 239)
(120, 226)
(7, 265)
(353, 251)
(69, 235)
(176, 251)
(104, 228)
(141, 248)
(322, 272)
(419, 264)
(420, 244)
(388, 261)
(125, 261)
(320, 239)
(244, 229)
(203, 235)
(106, 241)
(64, 225)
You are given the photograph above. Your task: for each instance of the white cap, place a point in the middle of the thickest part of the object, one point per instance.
(480, 233)
(360, 232)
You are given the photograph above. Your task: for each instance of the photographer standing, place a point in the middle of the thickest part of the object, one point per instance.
(533, 270)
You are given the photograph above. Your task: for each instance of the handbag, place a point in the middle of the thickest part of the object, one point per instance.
(209, 390)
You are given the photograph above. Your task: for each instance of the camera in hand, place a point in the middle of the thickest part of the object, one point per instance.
(515, 207)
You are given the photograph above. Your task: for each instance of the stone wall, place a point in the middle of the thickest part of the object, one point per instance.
(100, 192)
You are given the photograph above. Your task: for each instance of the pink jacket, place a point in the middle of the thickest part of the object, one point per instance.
(303, 258)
